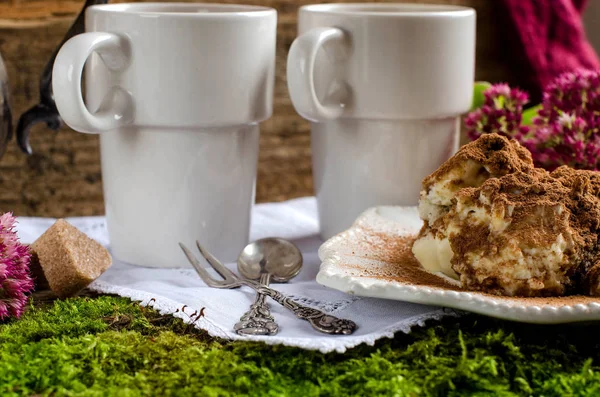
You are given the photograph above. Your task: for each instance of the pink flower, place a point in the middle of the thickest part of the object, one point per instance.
(567, 126)
(569, 122)
(15, 281)
(501, 113)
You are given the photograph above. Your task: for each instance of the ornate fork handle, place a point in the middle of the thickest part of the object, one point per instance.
(320, 321)
(258, 320)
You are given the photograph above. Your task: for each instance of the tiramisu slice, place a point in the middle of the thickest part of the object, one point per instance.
(520, 231)
(489, 156)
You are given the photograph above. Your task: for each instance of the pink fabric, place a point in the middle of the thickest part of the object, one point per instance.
(551, 36)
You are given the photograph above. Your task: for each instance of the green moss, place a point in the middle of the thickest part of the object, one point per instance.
(110, 346)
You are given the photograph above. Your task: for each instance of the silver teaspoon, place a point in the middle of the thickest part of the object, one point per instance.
(268, 259)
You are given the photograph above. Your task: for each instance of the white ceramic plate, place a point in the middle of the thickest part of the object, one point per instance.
(367, 260)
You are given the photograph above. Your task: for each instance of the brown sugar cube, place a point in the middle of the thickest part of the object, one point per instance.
(69, 259)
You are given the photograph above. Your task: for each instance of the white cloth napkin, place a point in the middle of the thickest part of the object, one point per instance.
(170, 289)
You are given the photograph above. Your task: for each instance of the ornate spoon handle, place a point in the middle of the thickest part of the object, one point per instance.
(258, 320)
(320, 321)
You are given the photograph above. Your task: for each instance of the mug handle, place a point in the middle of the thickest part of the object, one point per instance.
(300, 73)
(117, 108)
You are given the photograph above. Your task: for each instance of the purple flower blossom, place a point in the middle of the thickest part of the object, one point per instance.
(501, 113)
(566, 129)
(15, 281)
(568, 122)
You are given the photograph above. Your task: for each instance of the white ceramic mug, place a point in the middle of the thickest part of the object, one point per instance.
(384, 86)
(176, 92)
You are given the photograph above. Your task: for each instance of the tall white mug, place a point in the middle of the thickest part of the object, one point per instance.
(177, 92)
(384, 86)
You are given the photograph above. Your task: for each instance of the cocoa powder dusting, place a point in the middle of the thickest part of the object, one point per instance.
(398, 264)
(496, 155)
(542, 204)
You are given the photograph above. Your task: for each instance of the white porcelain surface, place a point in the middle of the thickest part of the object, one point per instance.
(170, 186)
(399, 61)
(363, 163)
(350, 264)
(177, 92)
(375, 70)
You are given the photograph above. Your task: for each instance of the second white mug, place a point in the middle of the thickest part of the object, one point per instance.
(384, 86)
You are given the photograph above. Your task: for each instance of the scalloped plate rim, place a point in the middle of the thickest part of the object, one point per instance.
(330, 275)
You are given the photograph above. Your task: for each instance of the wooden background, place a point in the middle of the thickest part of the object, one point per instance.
(62, 177)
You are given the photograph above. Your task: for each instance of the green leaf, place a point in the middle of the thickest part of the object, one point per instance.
(478, 97)
(529, 114)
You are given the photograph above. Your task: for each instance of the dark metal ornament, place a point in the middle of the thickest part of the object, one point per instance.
(45, 111)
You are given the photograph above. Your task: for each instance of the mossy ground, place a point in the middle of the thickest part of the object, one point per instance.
(108, 346)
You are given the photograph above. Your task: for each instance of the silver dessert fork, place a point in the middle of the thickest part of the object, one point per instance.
(320, 321)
